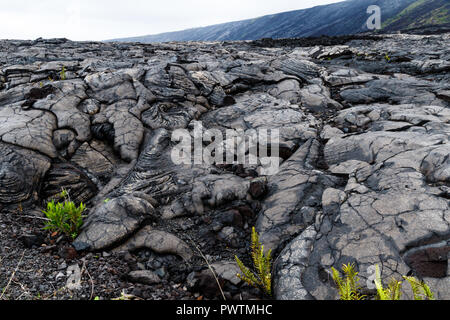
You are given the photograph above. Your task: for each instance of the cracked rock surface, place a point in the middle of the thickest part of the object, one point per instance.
(364, 155)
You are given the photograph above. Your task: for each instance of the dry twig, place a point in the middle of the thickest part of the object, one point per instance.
(90, 278)
(210, 268)
(12, 276)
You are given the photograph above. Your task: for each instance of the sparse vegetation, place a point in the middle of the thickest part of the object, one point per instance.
(262, 263)
(62, 74)
(125, 297)
(419, 288)
(349, 288)
(64, 217)
(392, 292)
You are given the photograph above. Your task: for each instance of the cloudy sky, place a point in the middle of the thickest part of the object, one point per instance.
(107, 19)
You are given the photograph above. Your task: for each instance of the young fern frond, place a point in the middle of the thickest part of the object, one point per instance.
(339, 282)
(247, 275)
(395, 289)
(349, 287)
(420, 289)
(256, 251)
(393, 292)
(62, 74)
(267, 272)
(352, 276)
(427, 291)
(382, 293)
(262, 264)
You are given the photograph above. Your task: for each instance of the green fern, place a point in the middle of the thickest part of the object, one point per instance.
(349, 287)
(262, 263)
(62, 74)
(420, 289)
(393, 292)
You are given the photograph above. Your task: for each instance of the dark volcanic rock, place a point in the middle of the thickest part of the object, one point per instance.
(364, 174)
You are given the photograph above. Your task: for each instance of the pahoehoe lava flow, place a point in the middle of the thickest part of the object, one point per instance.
(364, 127)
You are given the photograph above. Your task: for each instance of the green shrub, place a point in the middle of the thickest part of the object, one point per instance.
(64, 217)
(262, 263)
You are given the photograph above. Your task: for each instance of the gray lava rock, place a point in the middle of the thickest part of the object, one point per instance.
(363, 152)
(144, 277)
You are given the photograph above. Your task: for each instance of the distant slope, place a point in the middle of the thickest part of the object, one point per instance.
(347, 17)
(420, 13)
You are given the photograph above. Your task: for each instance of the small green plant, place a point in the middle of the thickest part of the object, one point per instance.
(64, 194)
(262, 263)
(64, 217)
(62, 74)
(419, 288)
(387, 58)
(349, 286)
(392, 292)
(125, 297)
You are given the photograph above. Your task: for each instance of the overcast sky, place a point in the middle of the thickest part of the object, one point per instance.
(107, 19)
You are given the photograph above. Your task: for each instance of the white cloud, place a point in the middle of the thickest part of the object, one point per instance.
(106, 19)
